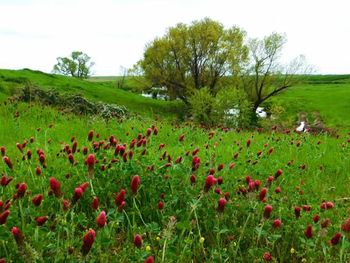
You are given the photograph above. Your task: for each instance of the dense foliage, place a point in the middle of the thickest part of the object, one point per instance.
(190, 57)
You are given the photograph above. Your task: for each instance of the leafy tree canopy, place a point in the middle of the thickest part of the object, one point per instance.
(77, 65)
(190, 57)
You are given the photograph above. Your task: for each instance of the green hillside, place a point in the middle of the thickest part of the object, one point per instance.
(327, 94)
(10, 80)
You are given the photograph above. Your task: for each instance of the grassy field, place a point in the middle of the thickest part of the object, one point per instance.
(143, 189)
(101, 91)
(327, 94)
(203, 196)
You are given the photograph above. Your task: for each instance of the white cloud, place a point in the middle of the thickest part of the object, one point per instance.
(114, 32)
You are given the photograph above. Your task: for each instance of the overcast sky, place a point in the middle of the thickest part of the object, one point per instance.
(33, 33)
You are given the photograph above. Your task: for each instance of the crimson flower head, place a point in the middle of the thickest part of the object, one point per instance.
(346, 225)
(178, 160)
(248, 142)
(3, 150)
(160, 205)
(155, 131)
(297, 211)
(66, 205)
(306, 208)
(74, 146)
(41, 220)
(150, 259)
(325, 223)
(195, 163)
(193, 179)
(257, 184)
(137, 241)
(55, 187)
(148, 131)
(135, 183)
(308, 231)
(90, 160)
(277, 223)
(29, 154)
(232, 165)
(38, 171)
(220, 167)
(212, 171)
(263, 193)
(267, 256)
(120, 197)
(336, 238)
(209, 182)
(88, 241)
(267, 211)
(71, 158)
(101, 219)
(248, 179)
(220, 180)
(195, 151)
(78, 193)
(316, 218)
(18, 235)
(37, 199)
(3, 217)
(84, 186)
(221, 204)
(182, 138)
(329, 205)
(90, 135)
(42, 158)
(85, 150)
(278, 173)
(95, 203)
(8, 162)
(5, 180)
(270, 151)
(121, 207)
(227, 196)
(21, 189)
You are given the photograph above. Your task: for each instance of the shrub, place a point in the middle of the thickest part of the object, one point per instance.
(202, 107)
(209, 110)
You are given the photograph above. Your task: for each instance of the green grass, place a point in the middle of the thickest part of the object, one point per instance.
(331, 100)
(174, 234)
(327, 94)
(101, 91)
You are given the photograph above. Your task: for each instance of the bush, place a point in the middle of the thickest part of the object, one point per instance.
(209, 110)
(71, 103)
(233, 98)
(203, 107)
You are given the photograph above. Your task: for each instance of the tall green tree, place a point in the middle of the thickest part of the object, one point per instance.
(77, 65)
(266, 76)
(191, 57)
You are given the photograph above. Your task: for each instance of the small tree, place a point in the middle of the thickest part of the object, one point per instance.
(265, 76)
(78, 65)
